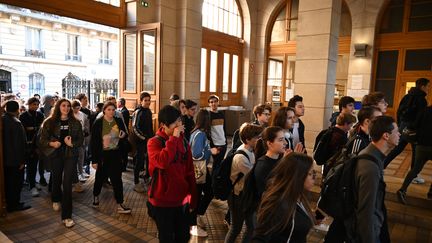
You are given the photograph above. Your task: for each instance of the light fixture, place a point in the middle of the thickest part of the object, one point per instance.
(360, 50)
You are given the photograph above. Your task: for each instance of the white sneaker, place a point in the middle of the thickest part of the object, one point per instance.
(322, 227)
(197, 231)
(78, 188)
(56, 206)
(34, 192)
(122, 209)
(139, 187)
(201, 221)
(68, 223)
(85, 175)
(81, 178)
(38, 186)
(418, 180)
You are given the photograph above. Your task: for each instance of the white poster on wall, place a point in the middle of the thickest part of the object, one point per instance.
(357, 93)
(356, 81)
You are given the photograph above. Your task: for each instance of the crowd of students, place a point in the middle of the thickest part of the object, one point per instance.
(271, 171)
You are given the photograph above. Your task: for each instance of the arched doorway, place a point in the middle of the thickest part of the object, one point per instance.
(5, 81)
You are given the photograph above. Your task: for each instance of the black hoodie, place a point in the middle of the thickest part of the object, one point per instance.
(410, 106)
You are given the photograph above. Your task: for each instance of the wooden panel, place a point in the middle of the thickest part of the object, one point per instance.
(278, 49)
(218, 40)
(78, 9)
(2, 189)
(344, 45)
(421, 39)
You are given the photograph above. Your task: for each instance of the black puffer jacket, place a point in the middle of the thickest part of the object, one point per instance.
(14, 141)
(416, 101)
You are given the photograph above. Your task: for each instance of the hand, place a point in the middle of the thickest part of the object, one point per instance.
(214, 151)
(178, 130)
(55, 144)
(21, 167)
(122, 134)
(68, 141)
(299, 148)
(287, 151)
(95, 166)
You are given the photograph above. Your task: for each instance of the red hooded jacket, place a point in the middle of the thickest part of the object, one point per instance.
(175, 184)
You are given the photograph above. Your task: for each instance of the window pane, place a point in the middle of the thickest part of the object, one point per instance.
(421, 16)
(149, 61)
(393, 17)
(418, 60)
(213, 74)
(387, 64)
(130, 61)
(345, 25)
(278, 31)
(222, 15)
(226, 67)
(235, 74)
(203, 69)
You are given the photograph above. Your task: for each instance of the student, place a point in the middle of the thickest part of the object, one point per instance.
(362, 140)
(142, 125)
(346, 106)
(83, 119)
(296, 103)
(32, 120)
(376, 99)
(172, 171)
(217, 138)
(14, 143)
(61, 135)
(285, 118)
(188, 118)
(174, 97)
(108, 140)
(241, 165)
(200, 146)
(368, 224)
(262, 114)
(285, 214)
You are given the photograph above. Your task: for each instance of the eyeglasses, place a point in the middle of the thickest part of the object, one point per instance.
(213, 101)
(312, 173)
(266, 114)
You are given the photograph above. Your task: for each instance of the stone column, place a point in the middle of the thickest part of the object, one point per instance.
(315, 74)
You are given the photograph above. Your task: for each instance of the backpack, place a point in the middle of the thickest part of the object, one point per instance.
(236, 142)
(407, 111)
(338, 192)
(221, 178)
(321, 153)
(250, 199)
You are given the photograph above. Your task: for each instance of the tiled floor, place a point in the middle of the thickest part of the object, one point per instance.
(42, 224)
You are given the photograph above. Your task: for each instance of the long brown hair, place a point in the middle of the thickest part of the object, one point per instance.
(203, 121)
(268, 135)
(281, 116)
(284, 189)
(55, 116)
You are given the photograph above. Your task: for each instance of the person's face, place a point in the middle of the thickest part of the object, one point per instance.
(146, 102)
(84, 101)
(299, 109)
(183, 109)
(119, 105)
(113, 101)
(252, 142)
(426, 88)
(348, 109)
(213, 103)
(169, 129)
(22, 109)
(264, 117)
(33, 106)
(382, 105)
(76, 109)
(290, 120)
(376, 114)
(65, 108)
(53, 101)
(347, 127)
(394, 136)
(109, 112)
(279, 144)
(310, 179)
(191, 111)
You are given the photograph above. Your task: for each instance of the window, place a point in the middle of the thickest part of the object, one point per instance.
(105, 53)
(73, 48)
(130, 62)
(34, 43)
(222, 16)
(386, 74)
(36, 84)
(110, 2)
(285, 26)
(417, 60)
(420, 18)
(149, 60)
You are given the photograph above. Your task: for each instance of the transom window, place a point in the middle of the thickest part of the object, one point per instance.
(36, 84)
(222, 16)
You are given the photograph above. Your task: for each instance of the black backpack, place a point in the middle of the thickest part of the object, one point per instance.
(338, 192)
(321, 151)
(407, 111)
(221, 181)
(250, 199)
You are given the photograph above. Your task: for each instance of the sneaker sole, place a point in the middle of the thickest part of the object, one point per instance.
(124, 212)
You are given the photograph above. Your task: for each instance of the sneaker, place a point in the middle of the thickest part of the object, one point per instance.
(68, 223)
(95, 201)
(418, 180)
(401, 195)
(56, 206)
(78, 188)
(201, 221)
(38, 187)
(322, 227)
(197, 231)
(34, 192)
(81, 178)
(139, 187)
(122, 209)
(85, 175)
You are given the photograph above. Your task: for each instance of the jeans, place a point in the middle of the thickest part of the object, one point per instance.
(110, 167)
(140, 161)
(172, 224)
(205, 195)
(423, 154)
(63, 169)
(237, 219)
(80, 162)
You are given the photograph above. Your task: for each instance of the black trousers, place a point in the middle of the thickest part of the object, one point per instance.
(13, 179)
(205, 196)
(221, 155)
(110, 167)
(63, 171)
(32, 168)
(172, 224)
(141, 160)
(336, 232)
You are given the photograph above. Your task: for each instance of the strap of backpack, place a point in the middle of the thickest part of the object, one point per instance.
(240, 175)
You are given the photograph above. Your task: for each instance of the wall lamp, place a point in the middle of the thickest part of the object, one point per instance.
(360, 50)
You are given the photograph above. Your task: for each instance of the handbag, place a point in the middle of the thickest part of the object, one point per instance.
(200, 168)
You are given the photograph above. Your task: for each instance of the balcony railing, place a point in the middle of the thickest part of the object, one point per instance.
(34, 53)
(107, 61)
(76, 58)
